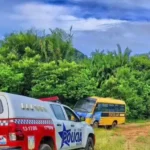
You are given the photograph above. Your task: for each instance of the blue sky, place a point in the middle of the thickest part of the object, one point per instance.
(97, 24)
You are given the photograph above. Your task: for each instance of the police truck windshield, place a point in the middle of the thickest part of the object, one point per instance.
(85, 105)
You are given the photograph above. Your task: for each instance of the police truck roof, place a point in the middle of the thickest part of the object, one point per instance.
(23, 106)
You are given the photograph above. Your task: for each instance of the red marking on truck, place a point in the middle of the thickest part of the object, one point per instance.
(16, 131)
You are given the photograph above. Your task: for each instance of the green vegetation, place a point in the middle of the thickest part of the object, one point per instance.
(39, 65)
(106, 140)
(137, 121)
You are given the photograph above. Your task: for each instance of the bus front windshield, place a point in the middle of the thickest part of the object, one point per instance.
(85, 105)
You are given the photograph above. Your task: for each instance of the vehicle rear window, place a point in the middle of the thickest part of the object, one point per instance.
(1, 107)
(58, 112)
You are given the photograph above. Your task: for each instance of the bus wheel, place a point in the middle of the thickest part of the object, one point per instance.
(114, 124)
(45, 147)
(95, 124)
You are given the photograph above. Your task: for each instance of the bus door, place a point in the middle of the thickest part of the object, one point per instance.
(96, 114)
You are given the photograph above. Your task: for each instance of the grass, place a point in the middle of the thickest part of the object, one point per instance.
(128, 138)
(109, 140)
(138, 121)
(142, 143)
(142, 139)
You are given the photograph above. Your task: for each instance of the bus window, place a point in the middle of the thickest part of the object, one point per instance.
(122, 108)
(111, 108)
(116, 108)
(103, 108)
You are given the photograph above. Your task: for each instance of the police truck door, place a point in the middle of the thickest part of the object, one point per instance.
(75, 138)
(62, 127)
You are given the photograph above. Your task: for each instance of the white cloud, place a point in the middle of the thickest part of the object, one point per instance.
(90, 33)
(44, 16)
(134, 35)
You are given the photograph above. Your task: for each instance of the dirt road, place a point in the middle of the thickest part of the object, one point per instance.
(132, 131)
(137, 136)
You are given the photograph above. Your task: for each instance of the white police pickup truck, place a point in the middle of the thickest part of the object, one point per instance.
(28, 123)
(71, 133)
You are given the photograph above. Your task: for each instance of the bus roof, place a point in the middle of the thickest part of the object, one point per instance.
(108, 100)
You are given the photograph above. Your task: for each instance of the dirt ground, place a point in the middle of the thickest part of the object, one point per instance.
(135, 134)
(132, 131)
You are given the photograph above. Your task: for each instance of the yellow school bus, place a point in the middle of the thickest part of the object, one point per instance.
(98, 111)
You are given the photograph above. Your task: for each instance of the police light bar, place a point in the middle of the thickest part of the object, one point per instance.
(50, 99)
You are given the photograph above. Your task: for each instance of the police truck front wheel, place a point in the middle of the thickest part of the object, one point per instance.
(89, 144)
(45, 147)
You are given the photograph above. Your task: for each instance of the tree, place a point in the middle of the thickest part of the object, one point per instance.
(10, 80)
(51, 47)
(104, 65)
(67, 80)
(37, 64)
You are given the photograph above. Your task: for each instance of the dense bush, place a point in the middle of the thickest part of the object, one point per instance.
(48, 65)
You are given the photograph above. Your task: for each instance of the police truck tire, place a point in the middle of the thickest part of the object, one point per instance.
(45, 147)
(89, 144)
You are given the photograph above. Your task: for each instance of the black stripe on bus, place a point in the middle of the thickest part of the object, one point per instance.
(113, 114)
